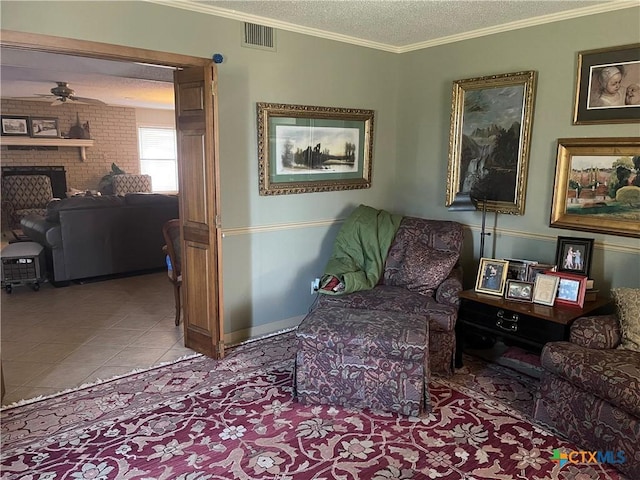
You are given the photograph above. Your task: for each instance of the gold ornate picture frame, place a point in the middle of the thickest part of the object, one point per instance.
(597, 186)
(490, 138)
(304, 149)
(492, 276)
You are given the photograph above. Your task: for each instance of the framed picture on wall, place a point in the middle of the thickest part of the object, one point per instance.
(304, 149)
(15, 125)
(596, 186)
(490, 137)
(46, 127)
(608, 86)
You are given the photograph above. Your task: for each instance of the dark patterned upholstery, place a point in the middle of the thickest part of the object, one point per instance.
(590, 390)
(25, 194)
(408, 285)
(130, 183)
(363, 359)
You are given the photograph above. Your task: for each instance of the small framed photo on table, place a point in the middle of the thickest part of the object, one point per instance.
(492, 276)
(571, 289)
(545, 288)
(573, 255)
(519, 291)
(534, 270)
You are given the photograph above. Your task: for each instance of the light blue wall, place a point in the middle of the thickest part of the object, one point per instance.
(427, 78)
(274, 246)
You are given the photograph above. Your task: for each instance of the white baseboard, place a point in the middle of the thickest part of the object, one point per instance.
(253, 333)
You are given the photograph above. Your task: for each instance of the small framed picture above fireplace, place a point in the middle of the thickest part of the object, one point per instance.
(15, 125)
(44, 127)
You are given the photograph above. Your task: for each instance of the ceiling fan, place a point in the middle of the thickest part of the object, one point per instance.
(63, 94)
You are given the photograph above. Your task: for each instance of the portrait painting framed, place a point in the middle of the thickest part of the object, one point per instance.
(490, 138)
(573, 255)
(519, 291)
(545, 288)
(571, 289)
(303, 149)
(15, 125)
(597, 186)
(492, 276)
(44, 127)
(608, 86)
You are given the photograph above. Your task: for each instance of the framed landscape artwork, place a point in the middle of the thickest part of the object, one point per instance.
(304, 149)
(597, 185)
(608, 86)
(15, 125)
(44, 127)
(490, 137)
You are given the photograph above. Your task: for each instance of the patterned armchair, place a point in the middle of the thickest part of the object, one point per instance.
(23, 195)
(421, 277)
(131, 183)
(590, 390)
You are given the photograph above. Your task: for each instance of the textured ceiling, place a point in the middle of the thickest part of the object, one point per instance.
(390, 25)
(397, 25)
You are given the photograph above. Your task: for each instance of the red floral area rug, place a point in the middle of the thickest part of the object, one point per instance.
(200, 419)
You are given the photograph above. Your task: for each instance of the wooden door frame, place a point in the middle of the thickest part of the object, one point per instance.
(104, 51)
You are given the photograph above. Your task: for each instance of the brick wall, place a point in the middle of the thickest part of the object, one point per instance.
(113, 130)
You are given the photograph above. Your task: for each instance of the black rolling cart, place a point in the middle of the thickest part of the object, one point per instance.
(23, 263)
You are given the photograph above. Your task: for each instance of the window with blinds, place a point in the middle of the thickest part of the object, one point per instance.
(159, 157)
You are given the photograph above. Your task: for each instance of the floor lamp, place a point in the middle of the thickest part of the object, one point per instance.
(464, 202)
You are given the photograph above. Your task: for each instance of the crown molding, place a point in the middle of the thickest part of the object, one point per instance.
(268, 22)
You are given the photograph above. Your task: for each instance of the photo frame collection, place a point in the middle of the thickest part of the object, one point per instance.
(563, 283)
(29, 126)
(591, 192)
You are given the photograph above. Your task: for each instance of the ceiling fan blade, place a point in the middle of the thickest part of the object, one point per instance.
(92, 101)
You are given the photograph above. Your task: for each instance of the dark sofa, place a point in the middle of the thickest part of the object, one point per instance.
(88, 237)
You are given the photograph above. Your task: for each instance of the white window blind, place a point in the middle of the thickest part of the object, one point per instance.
(158, 157)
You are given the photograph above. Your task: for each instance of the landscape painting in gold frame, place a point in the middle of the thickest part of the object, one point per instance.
(490, 138)
(597, 185)
(303, 148)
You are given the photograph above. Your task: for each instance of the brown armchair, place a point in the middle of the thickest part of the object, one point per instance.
(23, 195)
(421, 277)
(173, 248)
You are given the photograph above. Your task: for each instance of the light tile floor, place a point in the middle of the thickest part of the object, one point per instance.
(60, 338)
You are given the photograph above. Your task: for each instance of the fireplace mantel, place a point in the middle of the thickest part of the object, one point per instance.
(48, 142)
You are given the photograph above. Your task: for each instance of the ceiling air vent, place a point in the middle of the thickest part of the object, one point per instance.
(259, 36)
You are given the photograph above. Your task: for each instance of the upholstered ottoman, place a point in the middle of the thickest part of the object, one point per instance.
(364, 359)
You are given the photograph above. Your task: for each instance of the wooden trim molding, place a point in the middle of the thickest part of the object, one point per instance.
(86, 48)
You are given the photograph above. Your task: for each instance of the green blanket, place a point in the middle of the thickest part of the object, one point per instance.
(360, 251)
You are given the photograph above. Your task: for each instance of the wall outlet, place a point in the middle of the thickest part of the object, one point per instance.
(315, 285)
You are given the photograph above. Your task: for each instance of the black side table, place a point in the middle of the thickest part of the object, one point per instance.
(528, 324)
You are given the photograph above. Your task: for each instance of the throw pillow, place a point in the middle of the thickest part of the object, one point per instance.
(628, 306)
(422, 269)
